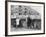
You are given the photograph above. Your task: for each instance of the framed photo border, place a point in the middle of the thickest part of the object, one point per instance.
(6, 18)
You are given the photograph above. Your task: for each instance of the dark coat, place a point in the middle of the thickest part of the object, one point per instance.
(28, 21)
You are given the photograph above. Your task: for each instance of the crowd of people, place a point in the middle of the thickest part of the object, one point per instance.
(35, 23)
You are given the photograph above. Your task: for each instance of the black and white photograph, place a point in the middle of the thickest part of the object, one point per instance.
(25, 18)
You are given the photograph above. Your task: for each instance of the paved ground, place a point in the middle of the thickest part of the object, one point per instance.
(21, 29)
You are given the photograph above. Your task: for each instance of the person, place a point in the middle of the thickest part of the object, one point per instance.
(20, 23)
(17, 22)
(28, 22)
